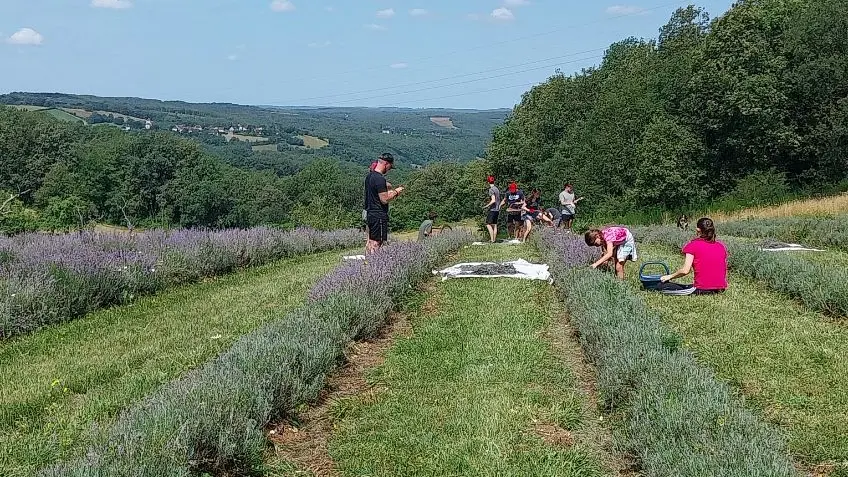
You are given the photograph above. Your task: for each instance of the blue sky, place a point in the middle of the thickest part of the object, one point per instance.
(423, 53)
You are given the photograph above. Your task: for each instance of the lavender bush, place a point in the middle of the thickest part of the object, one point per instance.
(678, 419)
(819, 286)
(47, 279)
(211, 421)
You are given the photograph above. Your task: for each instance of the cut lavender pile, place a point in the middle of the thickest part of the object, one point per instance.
(47, 279)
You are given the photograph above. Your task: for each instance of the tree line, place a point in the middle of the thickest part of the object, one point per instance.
(747, 107)
(62, 176)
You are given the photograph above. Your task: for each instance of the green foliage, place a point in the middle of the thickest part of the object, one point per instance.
(754, 95)
(65, 214)
(678, 419)
(15, 218)
(819, 286)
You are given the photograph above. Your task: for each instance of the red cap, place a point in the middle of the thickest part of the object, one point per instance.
(513, 187)
(490, 179)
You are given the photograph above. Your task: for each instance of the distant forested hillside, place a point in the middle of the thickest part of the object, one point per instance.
(354, 134)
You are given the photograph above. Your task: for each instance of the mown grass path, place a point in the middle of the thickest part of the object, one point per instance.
(791, 363)
(58, 382)
(476, 389)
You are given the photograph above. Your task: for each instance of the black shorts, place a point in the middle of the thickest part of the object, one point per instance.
(566, 216)
(492, 218)
(513, 218)
(378, 228)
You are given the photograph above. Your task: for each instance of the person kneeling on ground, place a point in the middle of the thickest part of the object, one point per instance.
(426, 227)
(708, 257)
(617, 242)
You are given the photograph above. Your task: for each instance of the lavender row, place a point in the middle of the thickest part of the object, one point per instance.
(678, 419)
(46, 279)
(212, 420)
(819, 286)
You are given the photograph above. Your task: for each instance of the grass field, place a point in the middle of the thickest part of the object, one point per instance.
(29, 107)
(475, 390)
(312, 142)
(62, 115)
(265, 147)
(791, 363)
(443, 122)
(242, 137)
(827, 206)
(61, 380)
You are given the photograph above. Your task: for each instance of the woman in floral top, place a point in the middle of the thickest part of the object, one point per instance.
(616, 242)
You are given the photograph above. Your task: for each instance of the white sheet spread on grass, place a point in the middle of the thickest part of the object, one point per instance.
(504, 242)
(354, 257)
(791, 247)
(524, 270)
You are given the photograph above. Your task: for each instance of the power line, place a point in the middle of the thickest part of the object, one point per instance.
(502, 42)
(350, 93)
(430, 88)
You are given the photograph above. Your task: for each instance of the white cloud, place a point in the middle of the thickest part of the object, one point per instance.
(398, 66)
(375, 27)
(116, 4)
(282, 6)
(516, 3)
(387, 13)
(319, 44)
(418, 12)
(233, 57)
(503, 14)
(26, 36)
(625, 10)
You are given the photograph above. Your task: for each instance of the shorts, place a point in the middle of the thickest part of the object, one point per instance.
(492, 218)
(514, 218)
(627, 250)
(566, 216)
(378, 228)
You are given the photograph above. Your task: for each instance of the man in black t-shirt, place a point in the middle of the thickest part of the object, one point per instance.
(377, 198)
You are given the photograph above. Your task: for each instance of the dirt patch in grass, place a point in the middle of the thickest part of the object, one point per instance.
(443, 121)
(597, 435)
(303, 440)
(553, 434)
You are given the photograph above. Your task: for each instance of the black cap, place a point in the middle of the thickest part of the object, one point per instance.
(387, 157)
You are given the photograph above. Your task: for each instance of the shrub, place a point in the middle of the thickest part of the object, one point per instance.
(678, 419)
(810, 231)
(54, 278)
(819, 286)
(212, 419)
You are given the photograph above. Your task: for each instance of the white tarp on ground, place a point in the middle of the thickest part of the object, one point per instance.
(790, 247)
(506, 242)
(523, 270)
(354, 257)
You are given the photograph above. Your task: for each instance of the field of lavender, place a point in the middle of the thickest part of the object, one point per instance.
(213, 418)
(677, 418)
(47, 279)
(818, 285)
(825, 232)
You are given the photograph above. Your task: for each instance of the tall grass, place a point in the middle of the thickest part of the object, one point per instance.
(212, 419)
(819, 286)
(46, 279)
(678, 419)
(811, 231)
(817, 207)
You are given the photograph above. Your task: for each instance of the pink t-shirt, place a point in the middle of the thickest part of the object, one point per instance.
(616, 235)
(710, 264)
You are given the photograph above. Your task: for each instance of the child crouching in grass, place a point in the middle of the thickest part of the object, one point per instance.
(617, 243)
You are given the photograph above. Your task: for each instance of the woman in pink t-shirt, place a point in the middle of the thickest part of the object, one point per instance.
(708, 257)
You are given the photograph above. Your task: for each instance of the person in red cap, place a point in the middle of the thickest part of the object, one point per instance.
(494, 208)
(514, 200)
